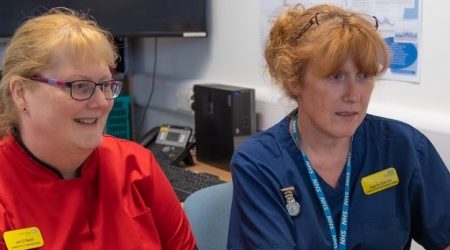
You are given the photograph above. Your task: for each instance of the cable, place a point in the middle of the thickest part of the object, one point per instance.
(141, 123)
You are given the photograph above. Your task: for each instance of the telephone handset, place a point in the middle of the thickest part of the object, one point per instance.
(170, 143)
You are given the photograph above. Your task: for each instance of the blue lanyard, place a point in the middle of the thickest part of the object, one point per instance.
(321, 195)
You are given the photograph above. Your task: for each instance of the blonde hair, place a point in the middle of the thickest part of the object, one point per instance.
(31, 50)
(346, 34)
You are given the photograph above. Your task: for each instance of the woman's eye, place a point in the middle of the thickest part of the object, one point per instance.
(81, 86)
(364, 76)
(337, 76)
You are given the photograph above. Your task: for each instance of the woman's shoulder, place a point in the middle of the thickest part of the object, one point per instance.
(113, 142)
(267, 142)
(389, 126)
(119, 148)
(390, 131)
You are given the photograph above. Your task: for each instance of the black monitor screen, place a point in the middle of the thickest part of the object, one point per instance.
(121, 18)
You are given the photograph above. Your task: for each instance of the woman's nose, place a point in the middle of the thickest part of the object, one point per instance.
(351, 93)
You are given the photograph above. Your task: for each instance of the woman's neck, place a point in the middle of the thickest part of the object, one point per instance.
(326, 153)
(317, 141)
(64, 160)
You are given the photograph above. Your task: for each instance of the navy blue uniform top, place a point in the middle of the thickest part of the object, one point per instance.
(417, 207)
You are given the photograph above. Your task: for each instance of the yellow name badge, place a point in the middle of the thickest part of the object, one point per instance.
(21, 239)
(379, 181)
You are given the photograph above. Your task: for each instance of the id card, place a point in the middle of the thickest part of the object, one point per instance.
(22, 239)
(379, 181)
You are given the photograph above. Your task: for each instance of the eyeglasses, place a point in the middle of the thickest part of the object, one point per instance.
(323, 17)
(81, 90)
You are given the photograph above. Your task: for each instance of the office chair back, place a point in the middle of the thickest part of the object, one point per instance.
(208, 211)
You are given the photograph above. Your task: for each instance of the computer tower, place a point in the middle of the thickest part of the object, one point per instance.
(224, 117)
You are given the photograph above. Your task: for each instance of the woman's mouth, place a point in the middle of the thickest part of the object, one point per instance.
(346, 113)
(348, 116)
(86, 121)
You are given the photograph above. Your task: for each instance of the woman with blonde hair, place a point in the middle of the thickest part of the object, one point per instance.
(63, 183)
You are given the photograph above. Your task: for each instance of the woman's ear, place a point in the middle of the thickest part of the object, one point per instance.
(17, 88)
(295, 89)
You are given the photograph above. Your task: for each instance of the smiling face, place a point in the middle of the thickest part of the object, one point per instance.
(333, 106)
(57, 119)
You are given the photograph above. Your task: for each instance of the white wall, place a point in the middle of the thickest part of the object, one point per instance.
(232, 54)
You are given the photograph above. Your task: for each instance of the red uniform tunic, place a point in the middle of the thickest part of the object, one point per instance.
(122, 200)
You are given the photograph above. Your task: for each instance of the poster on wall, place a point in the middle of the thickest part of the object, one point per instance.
(399, 24)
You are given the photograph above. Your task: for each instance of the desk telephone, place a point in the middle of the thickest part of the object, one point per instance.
(170, 143)
(171, 146)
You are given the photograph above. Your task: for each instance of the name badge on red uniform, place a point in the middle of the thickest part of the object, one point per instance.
(22, 239)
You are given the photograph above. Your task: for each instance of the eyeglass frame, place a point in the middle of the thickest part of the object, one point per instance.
(69, 84)
(315, 20)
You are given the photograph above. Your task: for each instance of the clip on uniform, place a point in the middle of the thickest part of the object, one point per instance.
(292, 205)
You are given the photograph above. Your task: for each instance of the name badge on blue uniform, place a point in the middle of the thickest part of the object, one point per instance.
(379, 181)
